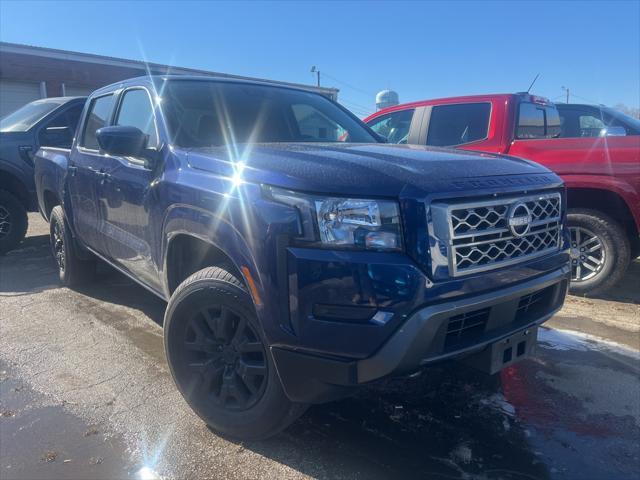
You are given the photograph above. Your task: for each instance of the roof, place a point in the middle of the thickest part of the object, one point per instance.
(153, 79)
(153, 68)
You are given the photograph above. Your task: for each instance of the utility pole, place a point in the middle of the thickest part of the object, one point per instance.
(317, 72)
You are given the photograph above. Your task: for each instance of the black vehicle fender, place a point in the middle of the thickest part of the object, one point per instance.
(12, 179)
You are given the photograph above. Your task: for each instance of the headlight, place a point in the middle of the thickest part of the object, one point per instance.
(346, 222)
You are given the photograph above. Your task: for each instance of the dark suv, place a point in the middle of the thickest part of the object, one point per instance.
(48, 122)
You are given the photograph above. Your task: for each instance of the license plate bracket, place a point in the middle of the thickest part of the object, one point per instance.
(505, 352)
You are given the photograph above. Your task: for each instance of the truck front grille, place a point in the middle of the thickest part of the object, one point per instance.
(489, 234)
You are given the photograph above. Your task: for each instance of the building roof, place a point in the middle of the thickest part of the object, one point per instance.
(153, 68)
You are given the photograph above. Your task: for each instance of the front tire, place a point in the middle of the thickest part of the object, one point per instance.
(600, 251)
(220, 360)
(72, 270)
(13, 222)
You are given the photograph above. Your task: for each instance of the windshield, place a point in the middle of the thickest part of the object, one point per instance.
(26, 117)
(624, 118)
(201, 114)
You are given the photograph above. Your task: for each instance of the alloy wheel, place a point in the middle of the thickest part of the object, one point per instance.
(5, 222)
(587, 254)
(225, 358)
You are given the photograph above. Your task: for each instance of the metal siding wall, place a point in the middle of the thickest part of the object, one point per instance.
(15, 94)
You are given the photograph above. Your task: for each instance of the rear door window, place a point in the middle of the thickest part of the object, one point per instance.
(537, 121)
(458, 124)
(97, 117)
(393, 126)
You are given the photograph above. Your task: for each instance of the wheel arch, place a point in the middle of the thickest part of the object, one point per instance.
(50, 200)
(12, 184)
(607, 201)
(195, 239)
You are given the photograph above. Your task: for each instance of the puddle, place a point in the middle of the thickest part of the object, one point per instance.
(41, 440)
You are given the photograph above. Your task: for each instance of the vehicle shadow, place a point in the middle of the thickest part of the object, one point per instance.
(28, 269)
(450, 422)
(628, 290)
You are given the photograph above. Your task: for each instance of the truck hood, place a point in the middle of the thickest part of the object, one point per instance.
(369, 169)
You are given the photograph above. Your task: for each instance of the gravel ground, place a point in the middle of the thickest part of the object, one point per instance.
(85, 393)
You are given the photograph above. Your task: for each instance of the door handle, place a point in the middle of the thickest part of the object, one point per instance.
(104, 177)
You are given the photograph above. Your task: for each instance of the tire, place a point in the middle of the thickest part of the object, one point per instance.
(13, 222)
(220, 359)
(611, 259)
(72, 270)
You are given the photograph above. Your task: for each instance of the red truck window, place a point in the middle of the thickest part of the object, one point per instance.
(393, 126)
(457, 124)
(537, 121)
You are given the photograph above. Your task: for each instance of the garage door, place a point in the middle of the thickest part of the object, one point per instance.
(13, 95)
(77, 91)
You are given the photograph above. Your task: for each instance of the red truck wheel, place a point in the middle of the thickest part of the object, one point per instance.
(600, 251)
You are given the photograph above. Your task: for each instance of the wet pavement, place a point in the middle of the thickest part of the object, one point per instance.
(85, 393)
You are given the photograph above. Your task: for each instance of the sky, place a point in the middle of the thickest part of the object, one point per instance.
(420, 49)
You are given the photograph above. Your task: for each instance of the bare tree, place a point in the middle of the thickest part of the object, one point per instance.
(631, 111)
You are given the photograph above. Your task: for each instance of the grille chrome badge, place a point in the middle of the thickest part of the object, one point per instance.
(519, 219)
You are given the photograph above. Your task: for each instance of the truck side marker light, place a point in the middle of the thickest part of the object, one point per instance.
(252, 286)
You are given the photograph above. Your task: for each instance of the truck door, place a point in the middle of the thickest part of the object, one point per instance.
(127, 195)
(85, 164)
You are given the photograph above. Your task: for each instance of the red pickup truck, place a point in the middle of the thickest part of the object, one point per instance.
(594, 149)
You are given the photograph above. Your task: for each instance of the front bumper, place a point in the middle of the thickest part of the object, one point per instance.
(450, 329)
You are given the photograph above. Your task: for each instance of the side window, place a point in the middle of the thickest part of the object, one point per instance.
(98, 117)
(458, 124)
(393, 126)
(538, 121)
(136, 111)
(59, 131)
(590, 125)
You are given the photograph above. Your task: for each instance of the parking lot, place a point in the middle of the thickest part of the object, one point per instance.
(85, 393)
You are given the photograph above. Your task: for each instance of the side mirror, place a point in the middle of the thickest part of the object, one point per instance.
(122, 140)
(613, 132)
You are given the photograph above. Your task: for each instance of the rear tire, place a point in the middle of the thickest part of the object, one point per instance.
(13, 222)
(600, 251)
(72, 270)
(220, 359)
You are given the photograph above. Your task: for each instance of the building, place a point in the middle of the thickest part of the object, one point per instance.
(28, 73)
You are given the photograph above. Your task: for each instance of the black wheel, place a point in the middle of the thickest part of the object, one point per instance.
(13, 222)
(600, 251)
(71, 269)
(220, 360)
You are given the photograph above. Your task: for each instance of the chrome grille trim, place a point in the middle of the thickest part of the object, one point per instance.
(477, 235)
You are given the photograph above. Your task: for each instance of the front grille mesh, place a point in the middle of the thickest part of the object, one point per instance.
(481, 238)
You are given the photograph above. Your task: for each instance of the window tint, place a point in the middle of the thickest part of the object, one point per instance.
(59, 131)
(393, 126)
(314, 126)
(98, 116)
(537, 121)
(136, 111)
(457, 124)
(211, 113)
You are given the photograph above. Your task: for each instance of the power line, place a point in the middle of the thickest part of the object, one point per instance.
(356, 105)
(348, 84)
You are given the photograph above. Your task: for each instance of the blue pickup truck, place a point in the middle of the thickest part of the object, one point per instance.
(300, 256)
(46, 122)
